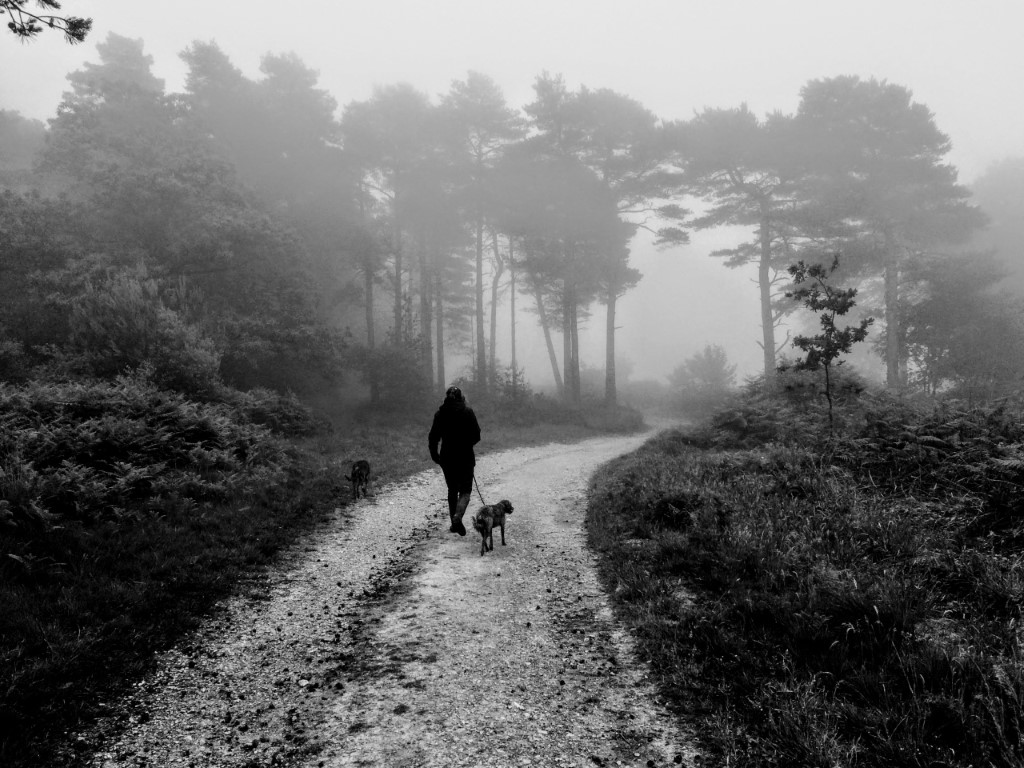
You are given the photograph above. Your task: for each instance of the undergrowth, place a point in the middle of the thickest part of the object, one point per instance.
(813, 601)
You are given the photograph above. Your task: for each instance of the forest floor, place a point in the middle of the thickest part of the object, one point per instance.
(385, 640)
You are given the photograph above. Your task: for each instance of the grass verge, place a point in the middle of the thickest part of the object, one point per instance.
(811, 602)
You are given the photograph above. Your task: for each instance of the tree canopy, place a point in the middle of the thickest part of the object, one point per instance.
(256, 222)
(876, 163)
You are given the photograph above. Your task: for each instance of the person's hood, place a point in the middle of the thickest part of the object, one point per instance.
(453, 405)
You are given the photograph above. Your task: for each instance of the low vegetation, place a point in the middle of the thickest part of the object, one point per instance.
(127, 512)
(812, 601)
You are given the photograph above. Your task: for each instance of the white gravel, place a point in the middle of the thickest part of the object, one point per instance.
(388, 641)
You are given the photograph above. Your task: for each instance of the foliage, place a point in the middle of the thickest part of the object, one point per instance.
(750, 173)
(126, 513)
(521, 407)
(829, 302)
(21, 139)
(999, 192)
(648, 395)
(38, 239)
(403, 385)
(479, 126)
(845, 607)
(121, 325)
(281, 137)
(577, 190)
(880, 188)
(160, 189)
(604, 417)
(964, 337)
(26, 23)
(791, 411)
(282, 353)
(105, 451)
(13, 363)
(282, 414)
(703, 382)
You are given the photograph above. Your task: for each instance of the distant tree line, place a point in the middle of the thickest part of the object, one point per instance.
(242, 233)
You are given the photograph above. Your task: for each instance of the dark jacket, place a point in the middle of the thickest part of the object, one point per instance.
(456, 429)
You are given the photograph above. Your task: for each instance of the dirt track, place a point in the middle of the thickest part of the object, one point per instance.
(390, 642)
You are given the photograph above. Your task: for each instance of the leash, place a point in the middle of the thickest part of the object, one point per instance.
(478, 490)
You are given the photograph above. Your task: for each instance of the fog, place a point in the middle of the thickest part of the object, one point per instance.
(961, 59)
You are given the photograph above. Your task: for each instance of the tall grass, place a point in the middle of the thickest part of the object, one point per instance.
(817, 602)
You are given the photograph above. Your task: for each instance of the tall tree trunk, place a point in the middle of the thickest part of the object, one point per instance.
(567, 344)
(610, 393)
(407, 327)
(546, 327)
(368, 285)
(764, 283)
(512, 317)
(574, 332)
(481, 352)
(369, 271)
(571, 362)
(893, 379)
(499, 269)
(439, 329)
(427, 350)
(399, 268)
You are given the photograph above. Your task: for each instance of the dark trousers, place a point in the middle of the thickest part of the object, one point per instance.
(459, 478)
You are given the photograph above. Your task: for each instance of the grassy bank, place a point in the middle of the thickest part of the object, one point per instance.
(127, 513)
(817, 601)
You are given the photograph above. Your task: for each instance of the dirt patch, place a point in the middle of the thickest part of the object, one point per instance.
(392, 643)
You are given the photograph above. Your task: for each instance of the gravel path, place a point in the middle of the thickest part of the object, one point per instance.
(390, 642)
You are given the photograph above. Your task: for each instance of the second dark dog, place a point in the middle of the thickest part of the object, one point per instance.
(487, 518)
(360, 477)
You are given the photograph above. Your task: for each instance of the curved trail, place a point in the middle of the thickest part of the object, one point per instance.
(390, 642)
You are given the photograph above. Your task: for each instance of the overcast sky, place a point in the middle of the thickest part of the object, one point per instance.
(963, 59)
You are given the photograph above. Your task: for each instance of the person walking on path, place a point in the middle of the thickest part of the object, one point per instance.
(452, 436)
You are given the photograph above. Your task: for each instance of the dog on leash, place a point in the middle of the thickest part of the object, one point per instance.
(487, 518)
(360, 477)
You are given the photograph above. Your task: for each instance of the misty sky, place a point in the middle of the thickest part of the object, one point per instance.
(963, 59)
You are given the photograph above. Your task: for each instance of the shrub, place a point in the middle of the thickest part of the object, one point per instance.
(108, 450)
(121, 325)
(792, 411)
(283, 414)
(703, 382)
(612, 418)
(402, 383)
(517, 406)
(13, 364)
